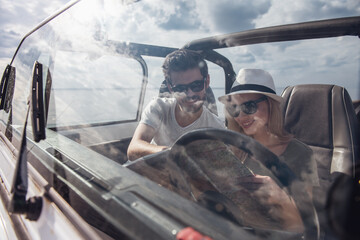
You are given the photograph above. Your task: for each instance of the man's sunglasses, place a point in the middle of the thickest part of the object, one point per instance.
(249, 107)
(195, 86)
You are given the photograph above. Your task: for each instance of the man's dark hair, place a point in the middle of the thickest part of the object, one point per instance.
(182, 60)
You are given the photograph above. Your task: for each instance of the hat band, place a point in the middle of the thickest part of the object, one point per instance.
(253, 87)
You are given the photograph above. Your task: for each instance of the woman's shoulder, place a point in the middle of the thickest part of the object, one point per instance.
(301, 160)
(298, 145)
(297, 149)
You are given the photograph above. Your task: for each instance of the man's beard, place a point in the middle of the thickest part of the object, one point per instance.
(192, 107)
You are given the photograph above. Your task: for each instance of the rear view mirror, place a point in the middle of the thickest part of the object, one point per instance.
(7, 88)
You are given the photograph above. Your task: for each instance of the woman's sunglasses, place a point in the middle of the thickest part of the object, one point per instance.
(249, 107)
(195, 86)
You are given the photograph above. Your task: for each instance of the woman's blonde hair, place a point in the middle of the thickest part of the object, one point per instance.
(275, 124)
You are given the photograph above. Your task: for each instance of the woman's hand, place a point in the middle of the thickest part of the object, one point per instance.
(264, 189)
(280, 204)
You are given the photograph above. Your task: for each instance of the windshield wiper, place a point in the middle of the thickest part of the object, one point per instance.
(18, 204)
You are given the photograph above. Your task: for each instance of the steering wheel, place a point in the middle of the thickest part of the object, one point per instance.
(279, 169)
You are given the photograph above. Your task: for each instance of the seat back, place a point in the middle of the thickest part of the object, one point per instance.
(210, 101)
(323, 117)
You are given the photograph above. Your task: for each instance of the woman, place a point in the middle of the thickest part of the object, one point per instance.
(253, 108)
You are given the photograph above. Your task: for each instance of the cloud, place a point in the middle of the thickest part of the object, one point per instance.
(183, 17)
(244, 56)
(211, 16)
(21, 16)
(230, 16)
(332, 61)
(9, 38)
(8, 43)
(17, 18)
(174, 23)
(282, 12)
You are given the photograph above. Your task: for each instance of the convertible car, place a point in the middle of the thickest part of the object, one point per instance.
(74, 92)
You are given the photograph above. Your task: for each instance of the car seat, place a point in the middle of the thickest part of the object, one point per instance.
(210, 101)
(323, 117)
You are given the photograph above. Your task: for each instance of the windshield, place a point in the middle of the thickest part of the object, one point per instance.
(104, 68)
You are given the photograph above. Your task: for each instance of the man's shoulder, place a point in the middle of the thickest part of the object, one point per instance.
(160, 104)
(162, 101)
(213, 119)
(207, 112)
(156, 110)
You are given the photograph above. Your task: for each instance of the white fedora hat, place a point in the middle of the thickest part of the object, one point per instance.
(253, 81)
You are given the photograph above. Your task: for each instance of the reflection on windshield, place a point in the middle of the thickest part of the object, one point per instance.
(94, 89)
(211, 173)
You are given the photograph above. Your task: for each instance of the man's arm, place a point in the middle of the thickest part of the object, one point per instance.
(140, 143)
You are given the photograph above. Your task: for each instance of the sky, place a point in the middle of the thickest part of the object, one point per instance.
(19, 16)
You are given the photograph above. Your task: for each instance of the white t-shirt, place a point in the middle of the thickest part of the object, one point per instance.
(160, 114)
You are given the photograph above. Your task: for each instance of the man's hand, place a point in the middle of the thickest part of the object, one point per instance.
(140, 143)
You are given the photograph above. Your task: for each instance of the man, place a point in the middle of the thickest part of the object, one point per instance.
(165, 119)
